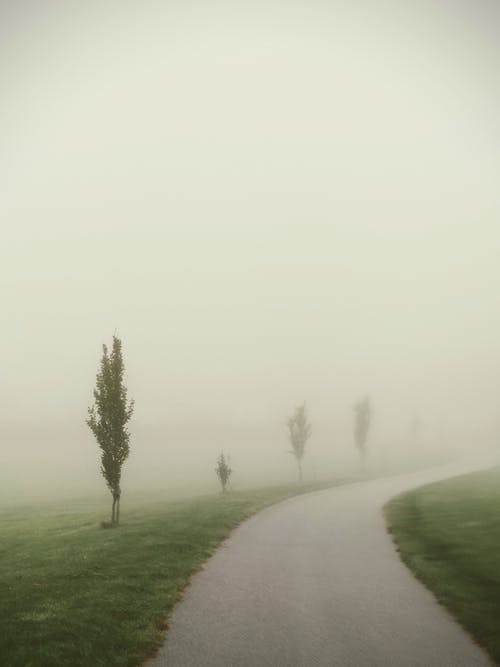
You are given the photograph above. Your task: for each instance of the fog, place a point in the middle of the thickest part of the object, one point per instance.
(269, 203)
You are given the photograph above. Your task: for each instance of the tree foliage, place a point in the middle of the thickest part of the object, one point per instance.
(299, 432)
(108, 418)
(223, 471)
(362, 421)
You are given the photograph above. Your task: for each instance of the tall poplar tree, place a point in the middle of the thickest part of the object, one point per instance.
(299, 432)
(108, 419)
(362, 421)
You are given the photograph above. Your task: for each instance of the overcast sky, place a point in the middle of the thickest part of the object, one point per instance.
(269, 202)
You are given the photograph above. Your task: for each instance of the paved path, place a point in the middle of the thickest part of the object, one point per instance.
(316, 581)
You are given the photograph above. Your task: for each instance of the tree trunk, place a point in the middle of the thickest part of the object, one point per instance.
(299, 463)
(115, 511)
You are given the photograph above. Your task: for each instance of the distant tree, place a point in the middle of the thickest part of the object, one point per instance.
(299, 432)
(362, 420)
(223, 471)
(108, 419)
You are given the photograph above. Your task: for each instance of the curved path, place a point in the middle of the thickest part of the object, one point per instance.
(313, 581)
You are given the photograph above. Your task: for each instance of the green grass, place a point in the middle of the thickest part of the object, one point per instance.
(72, 594)
(448, 533)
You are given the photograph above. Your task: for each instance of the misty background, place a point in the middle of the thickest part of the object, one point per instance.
(269, 203)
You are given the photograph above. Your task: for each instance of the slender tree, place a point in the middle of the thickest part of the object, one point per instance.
(299, 432)
(223, 471)
(362, 420)
(108, 419)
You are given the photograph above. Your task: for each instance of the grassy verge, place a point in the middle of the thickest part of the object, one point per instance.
(448, 533)
(74, 595)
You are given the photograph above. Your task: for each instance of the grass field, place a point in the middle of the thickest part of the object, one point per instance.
(448, 533)
(74, 595)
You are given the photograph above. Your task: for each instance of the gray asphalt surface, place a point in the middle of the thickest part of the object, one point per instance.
(316, 581)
